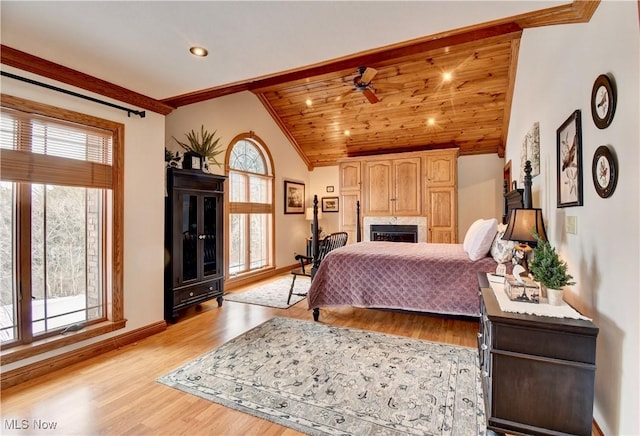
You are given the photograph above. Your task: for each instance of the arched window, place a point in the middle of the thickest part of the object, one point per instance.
(250, 205)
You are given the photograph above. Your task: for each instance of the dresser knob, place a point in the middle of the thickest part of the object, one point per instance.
(211, 288)
(190, 294)
(480, 335)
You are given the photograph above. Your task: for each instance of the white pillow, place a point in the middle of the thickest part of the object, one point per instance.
(480, 244)
(471, 234)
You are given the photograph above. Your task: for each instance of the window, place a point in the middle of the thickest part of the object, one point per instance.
(250, 205)
(60, 224)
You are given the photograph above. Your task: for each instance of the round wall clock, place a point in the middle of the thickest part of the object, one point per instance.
(604, 171)
(603, 101)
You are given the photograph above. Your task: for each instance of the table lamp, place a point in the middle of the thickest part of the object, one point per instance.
(522, 223)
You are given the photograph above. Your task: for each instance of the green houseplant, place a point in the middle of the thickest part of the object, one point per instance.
(547, 268)
(204, 144)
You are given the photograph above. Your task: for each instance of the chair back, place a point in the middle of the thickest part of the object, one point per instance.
(329, 243)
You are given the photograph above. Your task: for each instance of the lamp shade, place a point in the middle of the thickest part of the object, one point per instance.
(309, 214)
(522, 222)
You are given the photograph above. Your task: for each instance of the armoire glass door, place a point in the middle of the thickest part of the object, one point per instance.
(209, 227)
(189, 237)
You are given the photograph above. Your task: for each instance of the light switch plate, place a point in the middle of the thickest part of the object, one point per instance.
(571, 224)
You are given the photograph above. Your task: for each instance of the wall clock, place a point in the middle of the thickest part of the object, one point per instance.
(603, 101)
(604, 171)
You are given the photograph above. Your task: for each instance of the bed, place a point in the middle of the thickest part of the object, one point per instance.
(418, 277)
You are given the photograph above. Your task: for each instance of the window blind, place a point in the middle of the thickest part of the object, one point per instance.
(38, 149)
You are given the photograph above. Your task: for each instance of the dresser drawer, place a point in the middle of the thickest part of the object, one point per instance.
(200, 292)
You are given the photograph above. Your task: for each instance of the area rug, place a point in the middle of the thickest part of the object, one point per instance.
(324, 380)
(273, 294)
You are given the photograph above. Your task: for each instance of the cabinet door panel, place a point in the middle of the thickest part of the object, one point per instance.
(189, 235)
(350, 176)
(378, 188)
(210, 228)
(407, 187)
(442, 215)
(348, 214)
(441, 170)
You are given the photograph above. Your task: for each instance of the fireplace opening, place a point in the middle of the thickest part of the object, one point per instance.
(394, 233)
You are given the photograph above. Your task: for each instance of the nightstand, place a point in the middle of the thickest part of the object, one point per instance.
(538, 372)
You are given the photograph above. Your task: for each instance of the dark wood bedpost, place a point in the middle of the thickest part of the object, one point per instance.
(358, 227)
(527, 201)
(315, 243)
(505, 203)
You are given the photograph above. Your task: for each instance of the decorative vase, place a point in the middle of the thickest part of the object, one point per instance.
(555, 296)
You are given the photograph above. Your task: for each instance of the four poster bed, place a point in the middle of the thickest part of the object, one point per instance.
(419, 277)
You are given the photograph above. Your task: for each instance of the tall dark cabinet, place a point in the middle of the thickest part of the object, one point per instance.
(193, 240)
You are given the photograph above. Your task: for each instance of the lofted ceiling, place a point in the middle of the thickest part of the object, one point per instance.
(415, 107)
(300, 59)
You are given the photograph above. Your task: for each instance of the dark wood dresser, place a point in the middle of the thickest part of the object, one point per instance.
(538, 373)
(193, 240)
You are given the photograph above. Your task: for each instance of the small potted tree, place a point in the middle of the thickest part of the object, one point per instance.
(547, 268)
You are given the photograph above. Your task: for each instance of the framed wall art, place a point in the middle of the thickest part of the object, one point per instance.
(603, 101)
(330, 204)
(569, 157)
(530, 151)
(604, 170)
(293, 197)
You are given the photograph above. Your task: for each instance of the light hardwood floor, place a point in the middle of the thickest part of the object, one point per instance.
(116, 393)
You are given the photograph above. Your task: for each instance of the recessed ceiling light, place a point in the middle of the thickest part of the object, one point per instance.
(447, 76)
(199, 51)
(431, 121)
(347, 133)
(309, 102)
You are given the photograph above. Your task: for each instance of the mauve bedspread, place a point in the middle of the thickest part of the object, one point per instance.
(435, 278)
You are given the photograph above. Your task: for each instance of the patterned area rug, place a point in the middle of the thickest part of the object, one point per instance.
(324, 380)
(273, 294)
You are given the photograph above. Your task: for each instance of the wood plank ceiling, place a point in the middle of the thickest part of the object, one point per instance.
(418, 109)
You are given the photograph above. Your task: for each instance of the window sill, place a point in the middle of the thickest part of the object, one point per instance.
(36, 348)
(249, 277)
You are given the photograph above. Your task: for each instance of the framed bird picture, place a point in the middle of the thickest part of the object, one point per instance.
(603, 101)
(569, 157)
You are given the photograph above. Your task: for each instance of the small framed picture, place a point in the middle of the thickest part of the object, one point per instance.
(569, 154)
(330, 204)
(329, 188)
(293, 197)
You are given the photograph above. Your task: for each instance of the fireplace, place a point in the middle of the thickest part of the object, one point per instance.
(394, 232)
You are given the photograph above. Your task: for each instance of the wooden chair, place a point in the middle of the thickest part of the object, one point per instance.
(309, 265)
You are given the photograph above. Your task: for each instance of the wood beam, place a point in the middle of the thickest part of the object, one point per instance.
(42, 67)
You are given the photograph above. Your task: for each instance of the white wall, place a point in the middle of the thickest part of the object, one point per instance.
(143, 201)
(556, 71)
(319, 179)
(479, 190)
(240, 113)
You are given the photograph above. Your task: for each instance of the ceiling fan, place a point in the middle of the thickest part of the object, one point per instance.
(362, 83)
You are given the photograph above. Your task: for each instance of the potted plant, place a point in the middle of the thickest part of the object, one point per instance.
(203, 145)
(547, 268)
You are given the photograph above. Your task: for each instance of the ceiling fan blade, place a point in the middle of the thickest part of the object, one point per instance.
(368, 75)
(387, 85)
(370, 96)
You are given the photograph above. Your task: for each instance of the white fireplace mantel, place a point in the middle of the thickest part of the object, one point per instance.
(419, 221)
